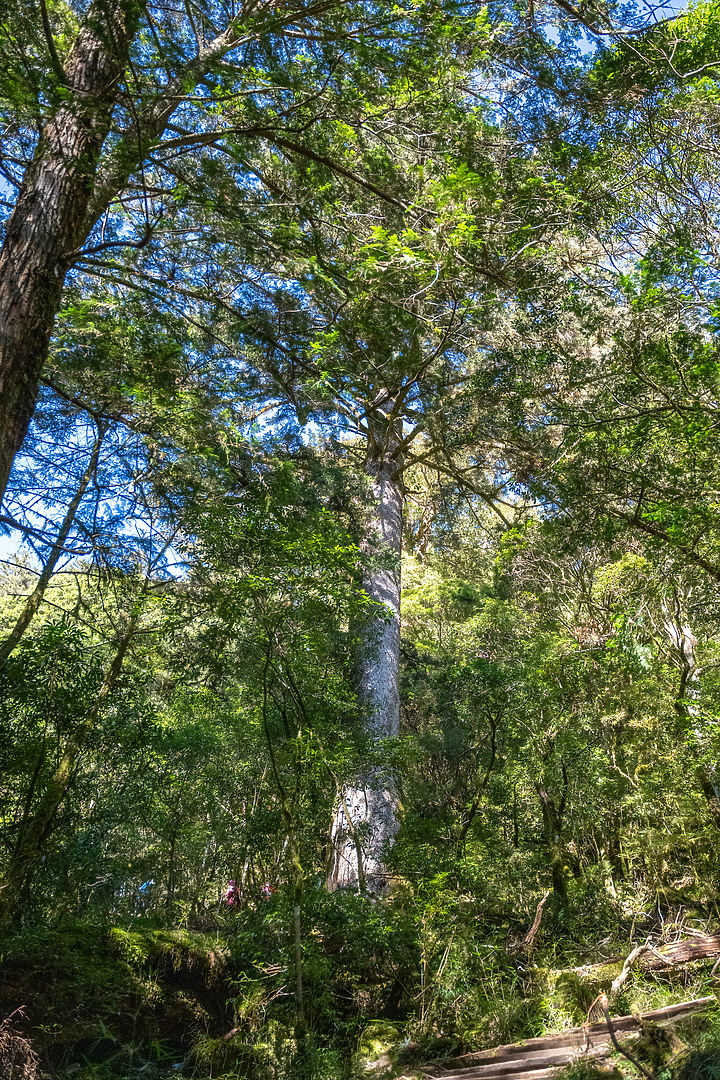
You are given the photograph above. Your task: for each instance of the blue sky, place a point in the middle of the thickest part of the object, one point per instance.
(11, 544)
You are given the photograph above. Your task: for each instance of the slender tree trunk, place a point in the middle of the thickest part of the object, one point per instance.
(49, 222)
(297, 933)
(289, 811)
(613, 846)
(366, 820)
(553, 814)
(516, 820)
(35, 599)
(36, 827)
(170, 895)
(475, 805)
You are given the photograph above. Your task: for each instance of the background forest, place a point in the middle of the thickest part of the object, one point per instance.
(360, 448)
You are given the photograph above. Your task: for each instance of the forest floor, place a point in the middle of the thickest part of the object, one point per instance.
(139, 1001)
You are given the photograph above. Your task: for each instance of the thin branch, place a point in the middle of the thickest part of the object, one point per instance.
(606, 1013)
(54, 58)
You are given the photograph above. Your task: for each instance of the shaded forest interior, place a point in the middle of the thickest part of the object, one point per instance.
(360, 589)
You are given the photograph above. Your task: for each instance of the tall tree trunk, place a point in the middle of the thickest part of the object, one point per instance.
(366, 820)
(35, 598)
(49, 222)
(289, 810)
(687, 702)
(37, 826)
(613, 845)
(553, 820)
(552, 824)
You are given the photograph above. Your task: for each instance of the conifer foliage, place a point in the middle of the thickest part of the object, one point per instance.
(359, 599)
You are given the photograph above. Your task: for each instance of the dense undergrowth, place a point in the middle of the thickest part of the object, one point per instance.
(389, 985)
(535, 760)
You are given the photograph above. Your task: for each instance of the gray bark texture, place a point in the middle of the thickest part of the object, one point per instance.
(66, 188)
(49, 222)
(366, 821)
(687, 703)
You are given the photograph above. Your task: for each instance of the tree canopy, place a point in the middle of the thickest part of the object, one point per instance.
(359, 600)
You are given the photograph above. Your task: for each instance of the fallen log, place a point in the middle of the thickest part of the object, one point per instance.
(634, 957)
(698, 947)
(650, 958)
(655, 958)
(545, 1055)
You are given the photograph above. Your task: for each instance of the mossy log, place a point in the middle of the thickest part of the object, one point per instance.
(648, 958)
(698, 947)
(540, 1059)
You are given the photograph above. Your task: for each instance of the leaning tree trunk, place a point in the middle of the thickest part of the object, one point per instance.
(366, 820)
(49, 222)
(33, 602)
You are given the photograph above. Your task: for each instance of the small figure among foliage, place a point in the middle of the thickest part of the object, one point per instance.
(232, 895)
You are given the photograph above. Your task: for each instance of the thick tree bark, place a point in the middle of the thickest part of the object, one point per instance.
(366, 820)
(37, 826)
(73, 179)
(378, 649)
(49, 221)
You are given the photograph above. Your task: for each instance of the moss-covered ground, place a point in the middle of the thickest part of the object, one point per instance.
(138, 1000)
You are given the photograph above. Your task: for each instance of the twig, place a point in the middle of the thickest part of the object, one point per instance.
(630, 960)
(606, 1013)
(530, 936)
